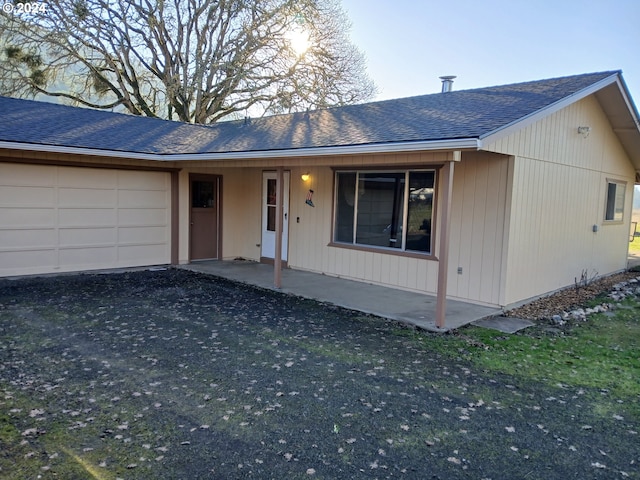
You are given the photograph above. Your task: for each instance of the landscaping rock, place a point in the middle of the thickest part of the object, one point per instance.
(613, 289)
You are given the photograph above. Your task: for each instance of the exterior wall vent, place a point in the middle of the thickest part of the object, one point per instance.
(447, 83)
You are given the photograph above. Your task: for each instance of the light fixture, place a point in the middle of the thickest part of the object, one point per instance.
(584, 131)
(305, 176)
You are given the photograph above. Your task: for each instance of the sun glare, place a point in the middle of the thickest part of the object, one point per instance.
(299, 41)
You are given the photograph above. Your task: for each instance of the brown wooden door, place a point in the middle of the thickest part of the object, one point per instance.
(205, 209)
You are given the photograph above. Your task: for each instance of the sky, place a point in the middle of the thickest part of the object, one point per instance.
(408, 44)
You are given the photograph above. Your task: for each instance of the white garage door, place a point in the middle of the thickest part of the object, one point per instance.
(60, 219)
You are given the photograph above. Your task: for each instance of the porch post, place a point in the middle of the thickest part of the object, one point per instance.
(277, 258)
(443, 250)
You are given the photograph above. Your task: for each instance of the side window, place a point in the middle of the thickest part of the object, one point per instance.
(614, 208)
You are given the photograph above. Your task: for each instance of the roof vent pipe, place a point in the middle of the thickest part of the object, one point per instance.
(447, 83)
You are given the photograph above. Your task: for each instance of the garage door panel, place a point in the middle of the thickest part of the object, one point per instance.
(141, 254)
(20, 196)
(26, 175)
(87, 177)
(143, 217)
(75, 237)
(60, 219)
(26, 217)
(85, 258)
(28, 238)
(87, 197)
(27, 262)
(141, 198)
(145, 235)
(132, 180)
(88, 217)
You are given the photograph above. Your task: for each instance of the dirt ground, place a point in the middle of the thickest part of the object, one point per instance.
(176, 375)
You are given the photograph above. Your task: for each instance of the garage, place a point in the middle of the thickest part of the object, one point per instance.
(62, 218)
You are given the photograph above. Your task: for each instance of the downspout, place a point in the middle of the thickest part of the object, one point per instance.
(277, 257)
(445, 227)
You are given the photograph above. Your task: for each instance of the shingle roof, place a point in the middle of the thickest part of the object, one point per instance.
(442, 116)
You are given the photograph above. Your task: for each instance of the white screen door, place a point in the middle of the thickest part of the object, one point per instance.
(269, 196)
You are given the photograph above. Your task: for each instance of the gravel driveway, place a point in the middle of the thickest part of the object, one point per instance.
(177, 375)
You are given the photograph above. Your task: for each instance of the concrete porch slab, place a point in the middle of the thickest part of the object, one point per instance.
(411, 308)
(504, 324)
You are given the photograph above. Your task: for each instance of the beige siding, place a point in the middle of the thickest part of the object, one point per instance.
(477, 227)
(559, 189)
(309, 227)
(55, 219)
(242, 203)
(310, 237)
(241, 211)
(480, 186)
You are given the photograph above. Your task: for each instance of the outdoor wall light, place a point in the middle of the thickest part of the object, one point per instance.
(584, 131)
(305, 177)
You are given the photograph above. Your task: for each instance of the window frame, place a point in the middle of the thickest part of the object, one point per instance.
(406, 170)
(617, 183)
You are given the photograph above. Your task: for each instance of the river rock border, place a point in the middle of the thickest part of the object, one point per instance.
(619, 292)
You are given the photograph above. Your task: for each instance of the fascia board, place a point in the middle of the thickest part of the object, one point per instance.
(457, 144)
(629, 135)
(38, 147)
(497, 134)
(626, 96)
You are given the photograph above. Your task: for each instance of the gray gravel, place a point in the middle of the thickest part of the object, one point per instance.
(177, 375)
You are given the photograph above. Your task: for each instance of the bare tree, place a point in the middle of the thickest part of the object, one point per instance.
(193, 60)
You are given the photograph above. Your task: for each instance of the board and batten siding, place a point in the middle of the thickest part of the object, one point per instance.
(558, 197)
(309, 238)
(241, 213)
(480, 188)
(477, 231)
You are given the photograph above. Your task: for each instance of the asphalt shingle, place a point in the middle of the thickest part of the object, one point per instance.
(441, 116)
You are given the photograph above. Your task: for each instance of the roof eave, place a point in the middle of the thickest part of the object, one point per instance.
(629, 136)
(508, 129)
(445, 144)
(628, 131)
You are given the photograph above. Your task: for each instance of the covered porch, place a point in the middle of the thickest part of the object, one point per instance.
(283, 211)
(414, 309)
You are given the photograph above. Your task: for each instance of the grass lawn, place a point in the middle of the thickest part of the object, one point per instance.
(635, 245)
(601, 355)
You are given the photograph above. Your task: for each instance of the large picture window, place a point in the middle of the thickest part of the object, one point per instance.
(614, 209)
(388, 209)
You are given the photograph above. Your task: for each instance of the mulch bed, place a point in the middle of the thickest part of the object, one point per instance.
(174, 374)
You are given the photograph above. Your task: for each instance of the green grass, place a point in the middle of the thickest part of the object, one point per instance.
(601, 355)
(594, 356)
(635, 245)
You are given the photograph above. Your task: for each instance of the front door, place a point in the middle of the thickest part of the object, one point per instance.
(205, 217)
(269, 196)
